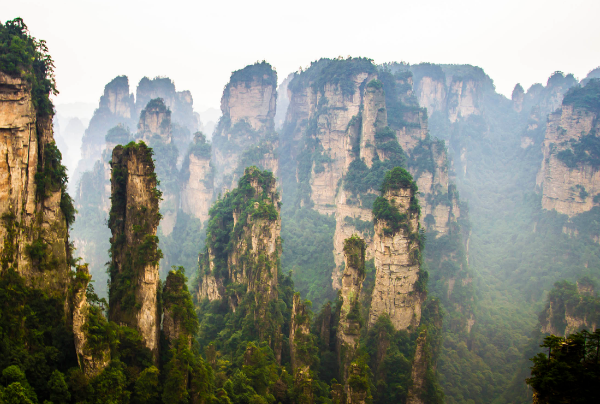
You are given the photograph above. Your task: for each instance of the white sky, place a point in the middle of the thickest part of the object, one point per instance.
(198, 43)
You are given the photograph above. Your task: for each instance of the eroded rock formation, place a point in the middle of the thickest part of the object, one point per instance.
(34, 234)
(570, 174)
(300, 340)
(92, 360)
(570, 308)
(251, 263)
(245, 133)
(197, 179)
(116, 107)
(133, 221)
(348, 331)
(398, 290)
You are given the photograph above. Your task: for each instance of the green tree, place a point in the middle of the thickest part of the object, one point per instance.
(147, 387)
(59, 390)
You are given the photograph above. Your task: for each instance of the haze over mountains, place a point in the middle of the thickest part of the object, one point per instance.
(349, 231)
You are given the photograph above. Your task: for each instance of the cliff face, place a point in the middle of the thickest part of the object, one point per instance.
(371, 117)
(179, 102)
(197, 188)
(91, 361)
(348, 332)
(33, 195)
(398, 291)
(300, 339)
(248, 218)
(570, 175)
(116, 107)
(570, 308)
(179, 318)
(155, 121)
(244, 135)
(322, 117)
(133, 221)
(154, 128)
(456, 91)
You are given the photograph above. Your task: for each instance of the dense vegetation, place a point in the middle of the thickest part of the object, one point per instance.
(23, 55)
(570, 371)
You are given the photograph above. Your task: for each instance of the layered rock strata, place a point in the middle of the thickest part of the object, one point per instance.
(348, 331)
(198, 174)
(116, 107)
(245, 133)
(34, 234)
(300, 337)
(133, 221)
(569, 177)
(92, 362)
(398, 292)
(154, 128)
(252, 264)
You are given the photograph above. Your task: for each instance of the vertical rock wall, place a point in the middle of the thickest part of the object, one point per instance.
(348, 332)
(250, 262)
(91, 362)
(245, 133)
(133, 221)
(116, 107)
(34, 234)
(299, 339)
(197, 189)
(568, 188)
(397, 292)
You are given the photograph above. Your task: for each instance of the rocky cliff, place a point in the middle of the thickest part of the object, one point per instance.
(133, 220)
(197, 179)
(348, 331)
(92, 358)
(569, 176)
(185, 121)
(245, 133)
(243, 248)
(355, 122)
(399, 288)
(179, 321)
(570, 308)
(35, 208)
(116, 107)
(155, 128)
(301, 342)
(155, 122)
(455, 91)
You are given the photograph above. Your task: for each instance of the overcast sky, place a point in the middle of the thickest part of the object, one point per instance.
(198, 44)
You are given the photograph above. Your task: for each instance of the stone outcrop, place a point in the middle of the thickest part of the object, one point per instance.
(133, 221)
(323, 117)
(180, 102)
(245, 133)
(154, 128)
(518, 96)
(252, 263)
(568, 178)
(34, 234)
(398, 292)
(177, 307)
(300, 337)
(418, 371)
(116, 107)
(348, 331)
(92, 362)
(197, 173)
(571, 309)
(155, 122)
